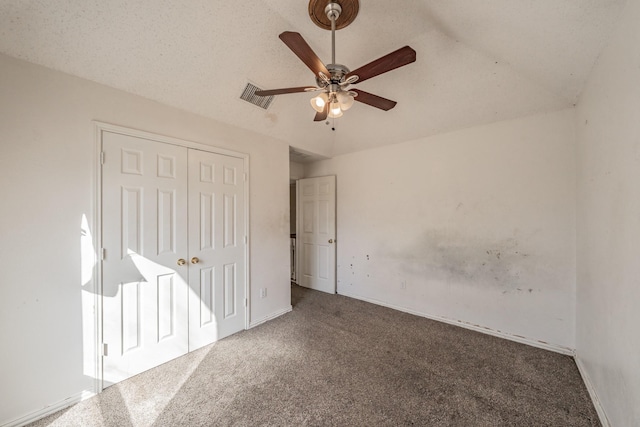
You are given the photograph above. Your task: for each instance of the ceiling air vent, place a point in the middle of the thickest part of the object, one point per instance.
(249, 95)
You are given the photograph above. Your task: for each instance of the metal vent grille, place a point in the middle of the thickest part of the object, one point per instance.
(249, 95)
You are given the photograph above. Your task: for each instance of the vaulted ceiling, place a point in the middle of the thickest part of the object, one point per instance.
(477, 61)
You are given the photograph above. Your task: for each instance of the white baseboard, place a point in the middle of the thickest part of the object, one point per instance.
(255, 323)
(523, 340)
(592, 392)
(48, 410)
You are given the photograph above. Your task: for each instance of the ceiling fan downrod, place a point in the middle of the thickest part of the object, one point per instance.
(333, 11)
(335, 96)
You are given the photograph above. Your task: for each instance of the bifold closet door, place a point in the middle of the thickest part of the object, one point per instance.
(144, 235)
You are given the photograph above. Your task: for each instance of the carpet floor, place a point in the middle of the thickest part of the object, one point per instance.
(337, 361)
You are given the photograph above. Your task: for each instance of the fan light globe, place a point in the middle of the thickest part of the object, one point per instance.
(334, 110)
(319, 102)
(345, 99)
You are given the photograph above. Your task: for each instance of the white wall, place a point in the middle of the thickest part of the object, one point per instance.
(47, 157)
(608, 280)
(479, 224)
(296, 170)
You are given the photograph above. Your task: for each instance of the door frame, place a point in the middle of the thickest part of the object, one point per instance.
(99, 129)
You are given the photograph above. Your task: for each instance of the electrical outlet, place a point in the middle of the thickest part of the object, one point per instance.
(403, 284)
(263, 292)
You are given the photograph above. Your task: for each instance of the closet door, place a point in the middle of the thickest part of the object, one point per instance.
(217, 240)
(144, 235)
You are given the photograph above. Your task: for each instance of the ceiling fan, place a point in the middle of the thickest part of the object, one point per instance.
(333, 80)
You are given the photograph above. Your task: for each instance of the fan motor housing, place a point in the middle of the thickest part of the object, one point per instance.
(338, 71)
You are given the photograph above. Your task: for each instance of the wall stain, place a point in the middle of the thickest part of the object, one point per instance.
(273, 118)
(458, 259)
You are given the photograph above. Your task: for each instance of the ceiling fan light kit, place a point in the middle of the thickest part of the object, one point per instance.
(318, 102)
(334, 79)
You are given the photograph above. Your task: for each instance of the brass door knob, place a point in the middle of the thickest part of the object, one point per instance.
(181, 261)
(194, 260)
(330, 240)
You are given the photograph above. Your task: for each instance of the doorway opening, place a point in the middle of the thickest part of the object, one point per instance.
(312, 203)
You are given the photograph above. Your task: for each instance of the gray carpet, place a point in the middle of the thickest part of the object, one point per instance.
(336, 361)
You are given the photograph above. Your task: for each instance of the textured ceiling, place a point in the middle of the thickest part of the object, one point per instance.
(477, 61)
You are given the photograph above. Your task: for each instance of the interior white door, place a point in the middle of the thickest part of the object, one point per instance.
(317, 233)
(144, 219)
(216, 247)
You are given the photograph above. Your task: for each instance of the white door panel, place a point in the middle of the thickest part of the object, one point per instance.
(144, 221)
(316, 232)
(216, 236)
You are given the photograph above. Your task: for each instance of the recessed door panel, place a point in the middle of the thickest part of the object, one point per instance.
(229, 290)
(166, 306)
(324, 217)
(324, 189)
(131, 214)
(207, 280)
(131, 162)
(230, 175)
(229, 222)
(308, 216)
(323, 262)
(166, 222)
(166, 167)
(130, 309)
(207, 172)
(308, 259)
(308, 189)
(207, 221)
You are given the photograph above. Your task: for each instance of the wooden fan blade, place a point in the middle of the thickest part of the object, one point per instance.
(323, 115)
(299, 46)
(396, 59)
(285, 90)
(374, 100)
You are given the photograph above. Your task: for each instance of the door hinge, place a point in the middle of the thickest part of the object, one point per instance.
(245, 240)
(105, 349)
(245, 177)
(103, 254)
(246, 302)
(102, 157)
